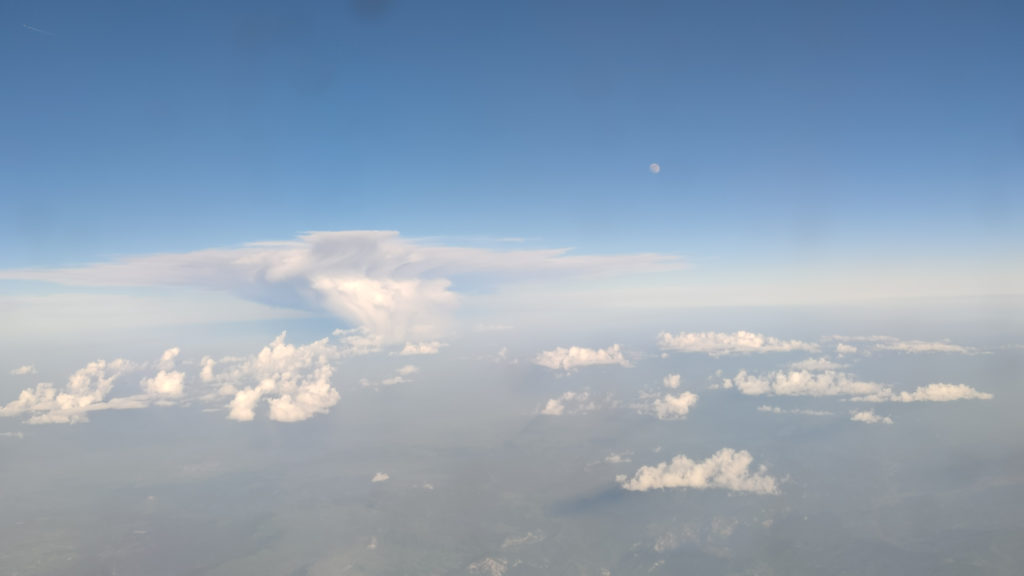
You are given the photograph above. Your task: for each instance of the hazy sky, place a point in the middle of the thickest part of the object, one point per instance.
(394, 287)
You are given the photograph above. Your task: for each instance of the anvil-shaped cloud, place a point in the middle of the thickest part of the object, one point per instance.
(396, 288)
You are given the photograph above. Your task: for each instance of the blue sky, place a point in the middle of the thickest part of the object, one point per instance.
(864, 129)
(354, 287)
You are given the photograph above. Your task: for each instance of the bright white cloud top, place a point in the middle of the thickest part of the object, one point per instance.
(722, 344)
(569, 359)
(23, 370)
(726, 469)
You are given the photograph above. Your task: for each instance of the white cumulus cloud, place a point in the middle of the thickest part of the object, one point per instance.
(721, 344)
(23, 370)
(380, 477)
(671, 407)
(86, 391)
(672, 381)
(570, 359)
(726, 469)
(869, 417)
(168, 382)
(293, 381)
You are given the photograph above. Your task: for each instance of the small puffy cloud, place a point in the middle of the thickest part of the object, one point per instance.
(167, 358)
(421, 348)
(801, 383)
(617, 458)
(570, 359)
(815, 365)
(23, 370)
(17, 435)
(842, 349)
(721, 344)
(400, 377)
(672, 381)
(930, 393)
(726, 469)
(380, 477)
(165, 384)
(574, 402)
(407, 370)
(168, 383)
(671, 407)
(869, 417)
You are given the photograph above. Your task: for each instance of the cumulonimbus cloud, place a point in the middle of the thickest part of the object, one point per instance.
(721, 343)
(726, 469)
(569, 359)
(395, 288)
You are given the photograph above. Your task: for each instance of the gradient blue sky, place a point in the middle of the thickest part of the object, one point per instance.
(387, 287)
(861, 129)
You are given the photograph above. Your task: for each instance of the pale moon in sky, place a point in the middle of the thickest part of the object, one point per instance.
(654, 168)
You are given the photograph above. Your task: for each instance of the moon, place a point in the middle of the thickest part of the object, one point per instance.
(654, 168)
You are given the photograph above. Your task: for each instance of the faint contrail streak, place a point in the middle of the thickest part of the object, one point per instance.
(34, 29)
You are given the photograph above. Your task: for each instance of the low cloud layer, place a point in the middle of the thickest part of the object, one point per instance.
(801, 383)
(832, 383)
(891, 343)
(569, 359)
(721, 343)
(726, 469)
(931, 393)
